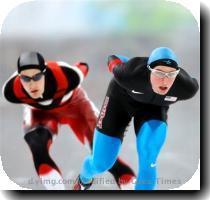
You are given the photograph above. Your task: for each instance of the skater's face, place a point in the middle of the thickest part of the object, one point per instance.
(162, 78)
(33, 81)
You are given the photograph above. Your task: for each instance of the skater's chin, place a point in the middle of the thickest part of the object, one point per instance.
(161, 90)
(35, 94)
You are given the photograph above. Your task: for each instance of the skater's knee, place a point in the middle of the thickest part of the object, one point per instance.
(102, 165)
(150, 138)
(147, 154)
(105, 151)
(38, 139)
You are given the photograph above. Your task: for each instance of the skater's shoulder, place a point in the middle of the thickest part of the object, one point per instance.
(8, 88)
(10, 81)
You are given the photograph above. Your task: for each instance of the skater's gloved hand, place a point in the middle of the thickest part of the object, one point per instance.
(114, 60)
(83, 67)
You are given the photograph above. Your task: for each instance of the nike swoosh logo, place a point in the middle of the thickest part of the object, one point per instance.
(136, 92)
(153, 165)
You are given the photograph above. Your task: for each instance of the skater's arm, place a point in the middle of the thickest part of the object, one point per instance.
(124, 71)
(119, 66)
(115, 61)
(74, 73)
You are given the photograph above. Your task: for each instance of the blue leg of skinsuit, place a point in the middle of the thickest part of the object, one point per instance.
(105, 153)
(150, 139)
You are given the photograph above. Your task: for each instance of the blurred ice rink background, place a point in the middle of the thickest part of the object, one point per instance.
(89, 31)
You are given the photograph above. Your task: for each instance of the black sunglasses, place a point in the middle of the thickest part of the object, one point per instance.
(35, 77)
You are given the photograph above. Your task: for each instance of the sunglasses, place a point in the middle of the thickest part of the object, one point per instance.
(161, 74)
(35, 77)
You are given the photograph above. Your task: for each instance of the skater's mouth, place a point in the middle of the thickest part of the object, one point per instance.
(34, 91)
(163, 88)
